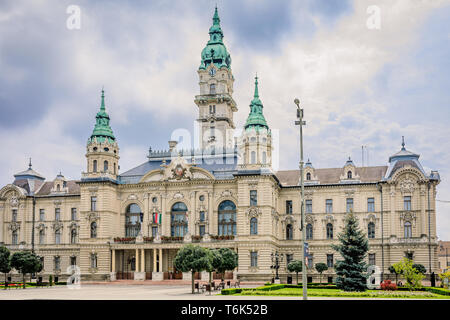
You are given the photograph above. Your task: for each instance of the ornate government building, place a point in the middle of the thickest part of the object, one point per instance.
(130, 225)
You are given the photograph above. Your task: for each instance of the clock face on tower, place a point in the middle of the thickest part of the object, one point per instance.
(212, 72)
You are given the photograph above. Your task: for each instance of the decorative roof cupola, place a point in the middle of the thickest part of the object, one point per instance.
(60, 184)
(255, 144)
(102, 148)
(29, 180)
(349, 173)
(310, 177)
(215, 102)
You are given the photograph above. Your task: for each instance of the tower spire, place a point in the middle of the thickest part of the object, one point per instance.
(29, 164)
(403, 143)
(102, 129)
(102, 106)
(256, 118)
(256, 95)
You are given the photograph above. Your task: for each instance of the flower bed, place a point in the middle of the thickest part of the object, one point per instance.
(171, 239)
(230, 237)
(148, 239)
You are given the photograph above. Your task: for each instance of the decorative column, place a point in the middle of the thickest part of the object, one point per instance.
(112, 276)
(157, 275)
(392, 205)
(160, 260)
(138, 274)
(191, 226)
(210, 212)
(143, 261)
(165, 222)
(423, 214)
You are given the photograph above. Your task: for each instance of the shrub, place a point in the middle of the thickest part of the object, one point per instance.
(231, 291)
(388, 285)
(440, 291)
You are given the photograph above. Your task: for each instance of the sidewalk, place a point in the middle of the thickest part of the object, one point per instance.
(162, 282)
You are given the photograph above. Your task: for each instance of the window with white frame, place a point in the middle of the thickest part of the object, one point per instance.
(330, 260)
(370, 205)
(253, 226)
(349, 204)
(329, 206)
(253, 259)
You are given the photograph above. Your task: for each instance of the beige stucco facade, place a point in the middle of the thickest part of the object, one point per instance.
(106, 218)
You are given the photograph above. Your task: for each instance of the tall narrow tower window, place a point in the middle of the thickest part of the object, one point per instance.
(94, 166)
(105, 166)
(212, 88)
(264, 157)
(253, 155)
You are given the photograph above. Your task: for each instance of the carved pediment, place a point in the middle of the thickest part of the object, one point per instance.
(407, 185)
(92, 216)
(328, 219)
(253, 212)
(41, 226)
(14, 201)
(14, 226)
(57, 225)
(309, 218)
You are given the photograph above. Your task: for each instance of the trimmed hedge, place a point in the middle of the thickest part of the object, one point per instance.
(231, 291)
(440, 291)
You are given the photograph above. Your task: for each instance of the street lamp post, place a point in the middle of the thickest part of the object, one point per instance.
(301, 123)
(276, 259)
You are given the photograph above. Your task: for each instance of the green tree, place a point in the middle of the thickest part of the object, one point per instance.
(392, 270)
(224, 260)
(443, 276)
(295, 266)
(321, 267)
(192, 259)
(353, 248)
(420, 268)
(412, 276)
(25, 262)
(5, 263)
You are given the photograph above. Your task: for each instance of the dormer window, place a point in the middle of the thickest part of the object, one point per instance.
(58, 187)
(308, 176)
(349, 174)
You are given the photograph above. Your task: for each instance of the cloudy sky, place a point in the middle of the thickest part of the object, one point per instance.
(359, 85)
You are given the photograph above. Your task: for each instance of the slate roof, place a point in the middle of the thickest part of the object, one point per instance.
(45, 190)
(332, 175)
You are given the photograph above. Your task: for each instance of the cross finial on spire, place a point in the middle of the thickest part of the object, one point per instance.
(102, 107)
(29, 164)
(403, 142)
(256, 95)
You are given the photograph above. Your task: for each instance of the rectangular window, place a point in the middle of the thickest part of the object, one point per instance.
(93, 203)
(288, 206)
(308, 206)
(329, 206)
(57, 214)
(154, 231)
(14, 215)
(57, 237)
(212, 88)
(212, 109)
(201, 230)
(310, 263)
(74, 214)
(42, 262)
(372, 259)
(57, 263)
(73, 261)
(330, 261)
(407, 203)
(93, 260)
(254, 259)
(349, 204)
(289, 258)
(370, 205)
(41, 214)
(253, 198)
(202, 216)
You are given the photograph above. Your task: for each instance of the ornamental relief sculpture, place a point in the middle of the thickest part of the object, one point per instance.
(14, 226)
(57, 225)
(14, 201)
(408, 216)
(309, 218)
(92, 216)
(253, 212)
(328, 219)
(407, 185)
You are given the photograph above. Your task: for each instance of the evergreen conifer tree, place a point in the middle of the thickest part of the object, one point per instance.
(353, 248)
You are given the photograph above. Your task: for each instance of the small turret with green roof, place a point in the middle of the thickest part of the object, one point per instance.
(102, 130)
(256, 118)
(215, 51)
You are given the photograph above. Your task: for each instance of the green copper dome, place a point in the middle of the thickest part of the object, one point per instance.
(102, 130)
(256, 118)
(215, 51)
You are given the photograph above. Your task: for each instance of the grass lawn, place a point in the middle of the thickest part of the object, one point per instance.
(316, 292)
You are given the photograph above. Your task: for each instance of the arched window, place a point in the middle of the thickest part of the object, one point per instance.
(227, 218)
(264, 156)
(309, 231)
(349, 175)
(178, 220)
(408, 230)
(212, 88)
(253, 155)
(329, 231)
(58, 187)
(94, 230)
(253, 226)
(308, 176)
(58, 236)
(132, 220)
(371, 230)
(14, 237)
(73, 236)
(94, 166)
(105, 166)
(289, 232)
(93, 260)
(41, 237)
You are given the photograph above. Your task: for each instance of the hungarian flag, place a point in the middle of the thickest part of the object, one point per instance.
(157, 217)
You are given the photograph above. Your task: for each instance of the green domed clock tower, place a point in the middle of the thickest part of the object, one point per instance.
(215, 102)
